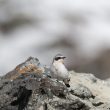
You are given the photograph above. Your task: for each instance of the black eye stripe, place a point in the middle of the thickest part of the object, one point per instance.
(57, 58)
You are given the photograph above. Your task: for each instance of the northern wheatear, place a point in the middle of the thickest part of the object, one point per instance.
(59, 70)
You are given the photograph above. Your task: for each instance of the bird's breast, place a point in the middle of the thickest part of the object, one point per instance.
(60, 70)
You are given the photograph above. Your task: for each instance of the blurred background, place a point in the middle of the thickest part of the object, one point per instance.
(79, 29)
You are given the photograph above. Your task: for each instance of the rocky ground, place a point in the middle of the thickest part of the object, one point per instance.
(30, 87)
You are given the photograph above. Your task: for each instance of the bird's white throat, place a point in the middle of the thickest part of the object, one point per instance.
(60, 67)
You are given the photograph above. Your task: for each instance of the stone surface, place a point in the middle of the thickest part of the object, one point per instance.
(30, 87)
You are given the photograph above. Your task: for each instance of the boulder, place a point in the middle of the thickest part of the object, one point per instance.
(30, 87)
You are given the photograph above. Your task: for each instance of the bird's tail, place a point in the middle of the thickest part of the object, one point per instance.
(66, 81)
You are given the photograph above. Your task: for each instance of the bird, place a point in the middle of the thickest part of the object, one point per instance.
(59, 71)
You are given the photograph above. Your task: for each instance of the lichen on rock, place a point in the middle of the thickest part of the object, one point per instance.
(30, 87)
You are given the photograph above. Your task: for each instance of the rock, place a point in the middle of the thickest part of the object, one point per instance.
(29, 86)
(31, 65)
(97, 102)
(81, 91)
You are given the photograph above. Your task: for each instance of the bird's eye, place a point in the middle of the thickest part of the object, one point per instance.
(57, 58)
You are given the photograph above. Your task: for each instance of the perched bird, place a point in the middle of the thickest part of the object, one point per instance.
(59, 70)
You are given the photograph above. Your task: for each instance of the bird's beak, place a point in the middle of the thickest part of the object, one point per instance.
(63, 57)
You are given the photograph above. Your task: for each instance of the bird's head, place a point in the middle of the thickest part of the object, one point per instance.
(59, 58)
